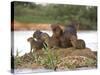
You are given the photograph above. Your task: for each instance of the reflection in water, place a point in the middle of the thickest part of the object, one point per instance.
(21, 44)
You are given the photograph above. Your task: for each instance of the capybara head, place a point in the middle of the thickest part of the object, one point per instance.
(37, 34)
(56, 29)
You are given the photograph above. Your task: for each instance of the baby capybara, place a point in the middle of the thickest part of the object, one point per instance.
(78, 43)
(36, 45)
(37, 34)
(44, 37)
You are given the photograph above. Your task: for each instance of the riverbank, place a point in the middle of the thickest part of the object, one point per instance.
(59, 59)
(30, 26)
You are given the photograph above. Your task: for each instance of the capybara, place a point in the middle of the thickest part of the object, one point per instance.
(57, 33)
(69, 32)
(78, 44)
(56, 29)
(54, 40)
(37, 35)
(45, 38)
(36, 45)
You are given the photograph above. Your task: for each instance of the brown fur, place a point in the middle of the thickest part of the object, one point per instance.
(70, 33)
(56, 29)
(45, 38)
(37, 34)
(36, 45)
(80, 44)
(57, 33)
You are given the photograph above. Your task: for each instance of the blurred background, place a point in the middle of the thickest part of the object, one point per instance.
(44, 13)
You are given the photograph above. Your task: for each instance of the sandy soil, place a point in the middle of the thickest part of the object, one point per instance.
(30, 26)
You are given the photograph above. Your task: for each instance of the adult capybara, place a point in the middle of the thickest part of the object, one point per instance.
(36, 45)
(70, 32)
(57, 33)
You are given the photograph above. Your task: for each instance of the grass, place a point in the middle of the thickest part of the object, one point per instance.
(49, 60)
(52, 59)
(34, 19)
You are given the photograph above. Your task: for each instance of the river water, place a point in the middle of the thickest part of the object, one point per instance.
(21, 44)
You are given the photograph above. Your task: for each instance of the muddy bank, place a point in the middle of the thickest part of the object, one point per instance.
(62, 59)
(30, 26)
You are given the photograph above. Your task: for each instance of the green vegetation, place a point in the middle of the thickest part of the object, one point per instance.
(56, 13)
(49, 59)
(52, 59)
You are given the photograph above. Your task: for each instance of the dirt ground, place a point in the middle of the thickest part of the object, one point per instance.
(69, 56)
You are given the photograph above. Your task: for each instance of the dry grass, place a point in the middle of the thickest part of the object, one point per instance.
(57, 58)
